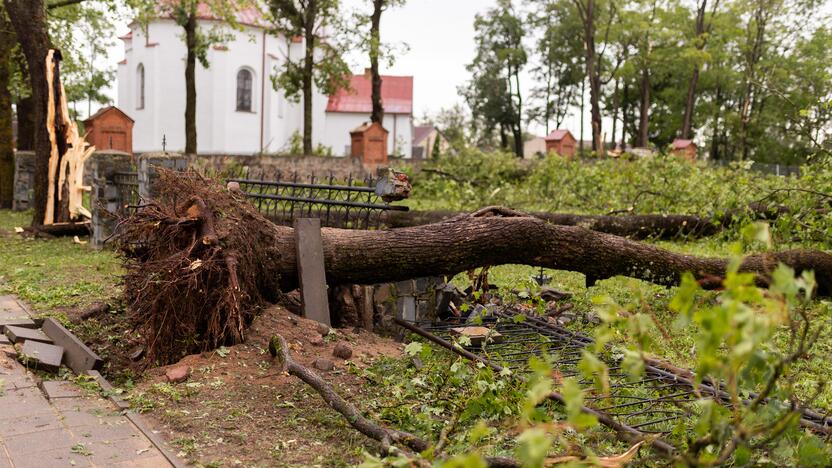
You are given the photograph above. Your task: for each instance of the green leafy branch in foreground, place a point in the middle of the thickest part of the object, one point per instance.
(737, 350)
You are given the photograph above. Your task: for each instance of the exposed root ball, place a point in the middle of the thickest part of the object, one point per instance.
(198, 262)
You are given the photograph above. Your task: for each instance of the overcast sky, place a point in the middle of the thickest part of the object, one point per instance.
(440, 36)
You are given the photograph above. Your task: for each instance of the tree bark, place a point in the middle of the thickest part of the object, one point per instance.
(375, 49)
(690, 100)
(29, 20)
(308, 70)
(644, 110)
(190, 82)
(592, 72)
(633, 226)
(7, 41)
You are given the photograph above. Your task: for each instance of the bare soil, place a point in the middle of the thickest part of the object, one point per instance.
(235, 408)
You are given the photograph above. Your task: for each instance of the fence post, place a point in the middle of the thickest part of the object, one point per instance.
(105, 199)
(148, 165)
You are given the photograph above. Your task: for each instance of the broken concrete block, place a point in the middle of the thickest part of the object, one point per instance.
(323, 329)
(42, 356)
(19, 334)
(77, 356)
(4, 340)
(16, 322)
(478, 335)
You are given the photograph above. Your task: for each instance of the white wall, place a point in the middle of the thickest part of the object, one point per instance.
(220, 127)
(340, 124)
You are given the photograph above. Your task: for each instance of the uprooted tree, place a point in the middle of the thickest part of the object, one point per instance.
(201, 260)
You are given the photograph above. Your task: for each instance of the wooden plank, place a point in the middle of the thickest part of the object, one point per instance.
(311, 270)
(78, 356)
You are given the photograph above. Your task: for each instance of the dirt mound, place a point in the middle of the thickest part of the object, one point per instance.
(236, 407)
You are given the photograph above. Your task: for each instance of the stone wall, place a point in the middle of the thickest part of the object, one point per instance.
(321, 166)
(24, 180)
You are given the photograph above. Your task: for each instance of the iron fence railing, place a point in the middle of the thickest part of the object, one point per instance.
(660, 403)
(127, 189)
(353, 204)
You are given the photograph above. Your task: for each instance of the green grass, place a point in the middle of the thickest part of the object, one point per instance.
(56, 273)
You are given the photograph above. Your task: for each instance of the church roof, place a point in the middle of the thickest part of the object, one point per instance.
(396, 95)
(250, 16)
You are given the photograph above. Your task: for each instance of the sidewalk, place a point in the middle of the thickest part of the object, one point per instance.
(56, 424)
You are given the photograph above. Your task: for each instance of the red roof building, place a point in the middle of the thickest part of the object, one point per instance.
(685, 148)
(396, 95)
(561, 142)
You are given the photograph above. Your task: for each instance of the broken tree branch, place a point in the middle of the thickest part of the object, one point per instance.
(386, 436)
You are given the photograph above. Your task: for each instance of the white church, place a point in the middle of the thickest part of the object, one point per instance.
(238, 110)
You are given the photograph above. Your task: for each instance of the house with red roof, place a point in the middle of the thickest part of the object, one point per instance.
(350, 108)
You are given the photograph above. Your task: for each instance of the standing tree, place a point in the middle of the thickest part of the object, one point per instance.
(7, 42)
(322, 66)
(376, 53)
(592, 12)
(558, 71)
(494, 92)
(29, 20)
(702, 29)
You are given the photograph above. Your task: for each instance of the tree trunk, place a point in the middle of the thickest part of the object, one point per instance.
(615, 106)
(690, 100)
(7, 41)
(375, 50)
(308, 71)
(625, 116)
(644, 110)
(583, 105)
(633, 226)
(29, 20)
(190, 83)
(517, 123)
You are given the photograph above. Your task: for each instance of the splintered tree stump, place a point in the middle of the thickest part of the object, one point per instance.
(201, 260)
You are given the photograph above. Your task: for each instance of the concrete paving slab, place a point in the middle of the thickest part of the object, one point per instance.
(5, 461)
(43, 356)
(16, 322)
(59, 389)
(19, 334)
(153, 462)
(22, 402)
(30, 423)
(61, 457)
(23, 444)
(106, 453)
(77, 356)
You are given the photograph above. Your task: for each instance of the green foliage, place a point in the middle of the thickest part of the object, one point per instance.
(664, 184)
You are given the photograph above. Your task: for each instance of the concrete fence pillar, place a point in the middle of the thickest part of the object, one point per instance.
(149, 163)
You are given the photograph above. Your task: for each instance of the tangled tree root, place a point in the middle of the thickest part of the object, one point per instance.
(199, 265)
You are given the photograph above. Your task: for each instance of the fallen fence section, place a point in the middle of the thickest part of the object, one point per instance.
(655, 405)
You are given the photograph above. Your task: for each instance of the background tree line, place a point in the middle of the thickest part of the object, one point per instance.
(747, 79)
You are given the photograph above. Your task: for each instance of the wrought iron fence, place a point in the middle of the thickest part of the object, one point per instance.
(351, 204)
(127, 189)
(661, 403)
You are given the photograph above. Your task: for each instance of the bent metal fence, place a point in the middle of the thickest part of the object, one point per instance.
(659, 404)
(353, 204)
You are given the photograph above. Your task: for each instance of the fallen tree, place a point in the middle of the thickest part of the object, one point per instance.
(634, 226)
(201, 260)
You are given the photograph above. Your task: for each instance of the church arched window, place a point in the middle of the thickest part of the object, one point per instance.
(245, 85)
(140, 86)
